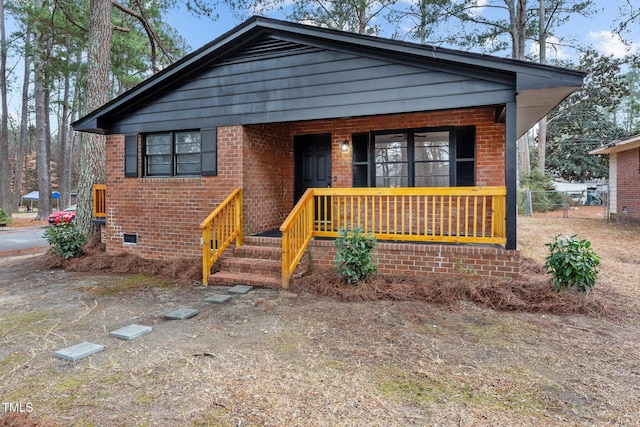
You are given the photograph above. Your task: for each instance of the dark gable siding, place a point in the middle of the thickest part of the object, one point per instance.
(276, 80)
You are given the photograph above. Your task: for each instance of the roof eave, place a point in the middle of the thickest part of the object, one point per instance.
(628, 144)
(529, 77)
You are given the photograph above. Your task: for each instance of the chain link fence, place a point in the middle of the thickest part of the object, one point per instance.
(564, 204)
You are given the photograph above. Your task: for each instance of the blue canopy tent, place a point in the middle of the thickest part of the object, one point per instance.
(35, 195)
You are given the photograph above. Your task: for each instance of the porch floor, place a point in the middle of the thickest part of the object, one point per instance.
(269, 233)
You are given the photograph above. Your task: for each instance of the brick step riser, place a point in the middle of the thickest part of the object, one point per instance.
(268, 242)
(253, 271)
(258, 252)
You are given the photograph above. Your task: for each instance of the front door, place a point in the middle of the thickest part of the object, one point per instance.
(312, 157)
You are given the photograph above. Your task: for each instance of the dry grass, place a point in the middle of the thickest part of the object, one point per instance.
(393, 352)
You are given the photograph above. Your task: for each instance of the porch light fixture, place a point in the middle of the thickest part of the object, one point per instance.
(344, 146)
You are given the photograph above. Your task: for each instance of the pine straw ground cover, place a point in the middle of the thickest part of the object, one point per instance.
(394, 351)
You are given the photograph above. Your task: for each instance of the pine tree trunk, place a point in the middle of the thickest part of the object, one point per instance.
(542, 125)
(43, 167)
(64, 159)
(5, 199)
(24, 127)
(93, 159)
(43, 170)
(524, 162)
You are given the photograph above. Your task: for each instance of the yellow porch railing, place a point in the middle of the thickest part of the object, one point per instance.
(297, 231)
(429, 214)
(220, 228)
(99, 201)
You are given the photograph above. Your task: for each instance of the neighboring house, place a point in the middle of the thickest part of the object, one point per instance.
(624, 178)
(282, 111)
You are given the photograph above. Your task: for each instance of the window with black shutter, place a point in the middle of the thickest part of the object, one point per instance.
(180, 153)
(429, 157)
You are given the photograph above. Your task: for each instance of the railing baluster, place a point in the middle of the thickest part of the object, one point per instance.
(458, 216)
(402, 218)
(484, 215)
(466, 216)
(493, 216)
(475, 216)
(410, 215)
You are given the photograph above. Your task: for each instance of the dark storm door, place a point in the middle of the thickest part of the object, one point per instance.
(312, 157)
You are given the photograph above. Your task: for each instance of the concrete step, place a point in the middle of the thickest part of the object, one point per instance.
(258, 252)
(226, 278)
(263, 267)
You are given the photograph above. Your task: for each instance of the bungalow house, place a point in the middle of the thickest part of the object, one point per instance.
(624, 178)
(276, 135)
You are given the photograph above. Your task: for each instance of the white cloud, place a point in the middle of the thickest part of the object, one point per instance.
(610, 44)
(479, 7)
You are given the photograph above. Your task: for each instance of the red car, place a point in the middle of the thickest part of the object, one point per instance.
(66, 215)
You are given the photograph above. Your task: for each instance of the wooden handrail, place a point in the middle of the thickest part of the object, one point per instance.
(99, 201)
(219, 229)
(297, 231)
(475, 215)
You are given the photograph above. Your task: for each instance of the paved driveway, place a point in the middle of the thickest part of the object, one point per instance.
(22, 238)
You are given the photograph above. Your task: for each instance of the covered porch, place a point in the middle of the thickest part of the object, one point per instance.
(398, 217)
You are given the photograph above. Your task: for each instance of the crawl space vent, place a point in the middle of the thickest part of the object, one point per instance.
(130, 238)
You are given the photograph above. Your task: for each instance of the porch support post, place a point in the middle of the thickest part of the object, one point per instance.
(511, 160)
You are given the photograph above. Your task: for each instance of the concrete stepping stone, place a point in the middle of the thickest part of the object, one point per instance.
(130, 332)
(217, 299)
(181, 314)
(240, 289)
(79, 351)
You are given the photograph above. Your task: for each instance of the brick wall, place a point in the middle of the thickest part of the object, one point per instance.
(434, 260)
(165, 213)
(267, 176)
(628, 185)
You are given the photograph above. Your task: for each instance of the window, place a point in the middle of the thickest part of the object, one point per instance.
(173, 153)
(184, 153)
(438, 157)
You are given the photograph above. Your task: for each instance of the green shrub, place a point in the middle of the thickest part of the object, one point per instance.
(5, 218)
(66, 240)
(573, 264)
(353, 255)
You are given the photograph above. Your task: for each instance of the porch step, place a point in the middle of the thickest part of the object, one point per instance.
(274, 242)
(226, 278)
(257, 263)
(257, 266)
(273, 253)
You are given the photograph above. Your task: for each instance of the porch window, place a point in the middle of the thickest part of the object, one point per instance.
(173, 154)
(434, 157)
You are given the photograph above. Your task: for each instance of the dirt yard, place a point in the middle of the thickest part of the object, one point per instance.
(295, 358)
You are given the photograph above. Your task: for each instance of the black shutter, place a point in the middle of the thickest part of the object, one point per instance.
(209, 144)
(131, 155)
(465, 160)
(360, 159)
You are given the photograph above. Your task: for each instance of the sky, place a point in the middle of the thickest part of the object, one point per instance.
(596, 30)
